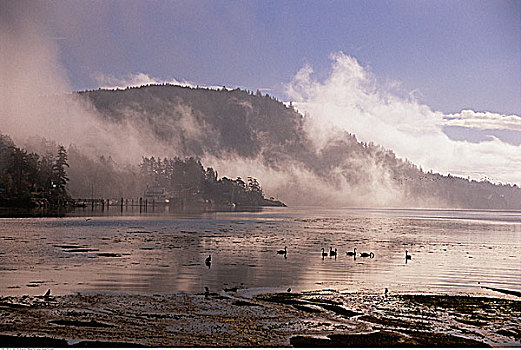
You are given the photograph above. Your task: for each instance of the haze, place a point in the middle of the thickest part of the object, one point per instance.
(437, 82)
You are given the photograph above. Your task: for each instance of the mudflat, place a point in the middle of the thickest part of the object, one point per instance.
(239, 318)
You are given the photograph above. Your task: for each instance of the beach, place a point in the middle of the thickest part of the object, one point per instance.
(240, 318)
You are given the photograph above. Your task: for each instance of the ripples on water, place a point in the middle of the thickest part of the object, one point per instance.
(451, 251)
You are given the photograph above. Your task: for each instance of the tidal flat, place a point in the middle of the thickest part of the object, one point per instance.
(242, 318)
(134, 280)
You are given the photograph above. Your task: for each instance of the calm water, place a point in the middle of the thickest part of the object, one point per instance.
(160, 253)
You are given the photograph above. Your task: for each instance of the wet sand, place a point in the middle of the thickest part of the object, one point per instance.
(239, 318)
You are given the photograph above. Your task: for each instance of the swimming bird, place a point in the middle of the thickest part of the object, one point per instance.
(208, 261)
(367, 255)
(289, 290)
(283, 251)
(323, 253)
(407, 255)
(353, 253)
(332, 252)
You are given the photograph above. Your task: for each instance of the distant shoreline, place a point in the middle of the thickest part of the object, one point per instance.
(28, 211)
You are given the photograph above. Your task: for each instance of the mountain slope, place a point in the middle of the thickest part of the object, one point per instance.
(237, 128)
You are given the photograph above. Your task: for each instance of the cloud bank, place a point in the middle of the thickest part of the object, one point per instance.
(483, 120)
(351, 98)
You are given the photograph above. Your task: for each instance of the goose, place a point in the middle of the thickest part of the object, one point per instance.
(407, 255)
(366, 255)
(332, 252)
(353, 253)
(283, 251)
(323, 253)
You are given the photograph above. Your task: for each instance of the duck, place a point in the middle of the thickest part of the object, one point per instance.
(323, 253)
(367, 255)
(353, 253)
(283, 251)
(332, 252)
(407, 255)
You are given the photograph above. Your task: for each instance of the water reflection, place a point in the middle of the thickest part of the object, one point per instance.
(167, 253)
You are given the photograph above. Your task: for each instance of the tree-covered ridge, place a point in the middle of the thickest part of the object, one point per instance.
(28, 179)
(187, 181)
(201, 122)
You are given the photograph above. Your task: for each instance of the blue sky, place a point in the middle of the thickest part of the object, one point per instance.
(455, 54)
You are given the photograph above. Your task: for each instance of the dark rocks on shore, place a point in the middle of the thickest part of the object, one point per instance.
(386, 339)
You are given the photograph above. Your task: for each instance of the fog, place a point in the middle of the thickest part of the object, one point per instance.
(36, 100)
(353, 99)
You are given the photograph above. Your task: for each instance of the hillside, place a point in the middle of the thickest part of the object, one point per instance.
(240, 127)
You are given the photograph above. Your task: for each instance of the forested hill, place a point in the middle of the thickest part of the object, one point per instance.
(238, 125)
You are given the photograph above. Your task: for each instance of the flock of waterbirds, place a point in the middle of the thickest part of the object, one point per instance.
(348, 253)
(332, 253)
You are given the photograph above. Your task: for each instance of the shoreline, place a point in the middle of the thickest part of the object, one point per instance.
(227, 318)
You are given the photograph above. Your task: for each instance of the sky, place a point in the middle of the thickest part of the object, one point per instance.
(456, 55)
(413, 76)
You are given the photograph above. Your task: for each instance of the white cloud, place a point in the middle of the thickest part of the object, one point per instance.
(111, 82)
(133, 80)
(483, 120)
(352, 99)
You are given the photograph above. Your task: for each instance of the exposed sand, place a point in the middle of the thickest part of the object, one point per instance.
(230, 318)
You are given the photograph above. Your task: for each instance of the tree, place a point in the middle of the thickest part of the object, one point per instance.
(60, 178)
(253, 185)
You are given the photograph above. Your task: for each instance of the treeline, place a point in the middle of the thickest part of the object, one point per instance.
(29, 179)
(252, 126)
(187, 181)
